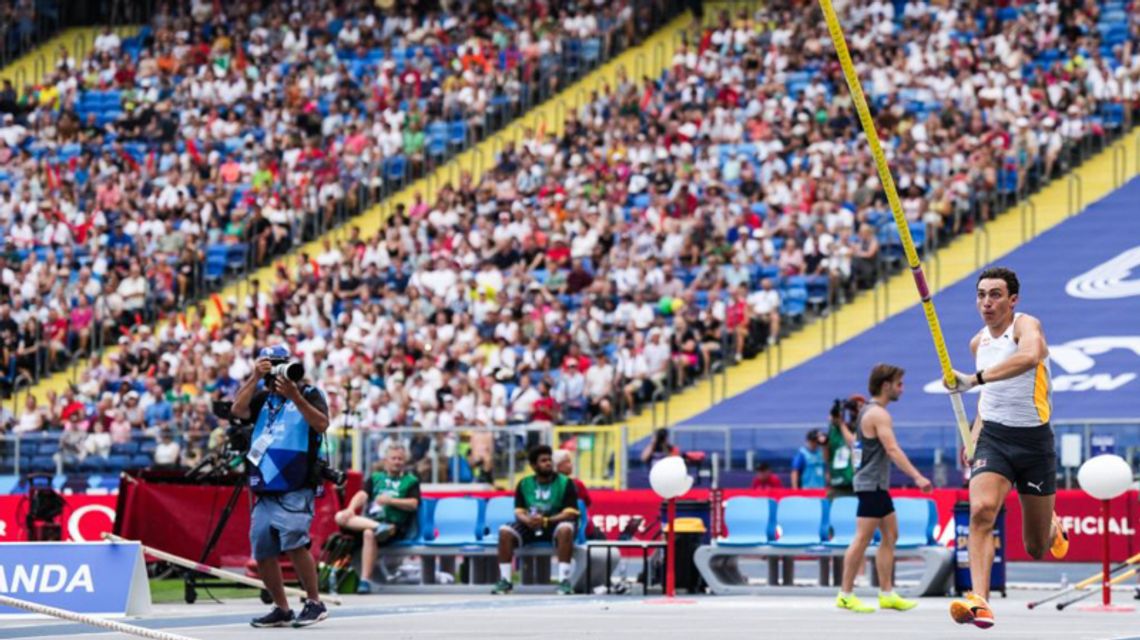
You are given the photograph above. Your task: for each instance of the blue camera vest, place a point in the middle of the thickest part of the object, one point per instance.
(280, 450)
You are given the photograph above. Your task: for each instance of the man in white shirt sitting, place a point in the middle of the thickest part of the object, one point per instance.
(599, 386)
(658, 357)
(765, 305)
(570, 390)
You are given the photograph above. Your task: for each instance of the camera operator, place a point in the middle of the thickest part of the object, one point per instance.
(658, 448)
(283, 475)
(808, 468)
(840, 442)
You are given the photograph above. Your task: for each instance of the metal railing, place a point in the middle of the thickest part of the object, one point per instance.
(604, 455)
(445, 455)
(600, 453)
(925, 443)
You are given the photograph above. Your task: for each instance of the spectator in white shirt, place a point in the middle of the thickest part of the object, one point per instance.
(765, 305)
(600, 385)
(520, 402)
(570, 390)
(658, 357)
(108, 42)
(168, 453)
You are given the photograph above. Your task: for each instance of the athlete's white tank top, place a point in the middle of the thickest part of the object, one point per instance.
(1025, 400)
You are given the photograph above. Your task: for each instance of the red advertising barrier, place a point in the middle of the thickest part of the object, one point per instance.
(84, 517)
(179, 518)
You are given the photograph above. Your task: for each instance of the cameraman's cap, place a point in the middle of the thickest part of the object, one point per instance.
(814, 434)
(277, 352)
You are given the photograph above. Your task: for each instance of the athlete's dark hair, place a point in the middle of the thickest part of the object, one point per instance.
(883, 373)
(540, 450)
(1002, 273)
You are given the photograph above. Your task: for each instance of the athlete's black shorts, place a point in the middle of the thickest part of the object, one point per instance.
(1026, 456)
(526, 535)
(874, 504)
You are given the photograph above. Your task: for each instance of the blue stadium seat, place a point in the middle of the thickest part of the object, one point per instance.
(801, 522)
(917, 518)
(818, 288)
(8, 483)
(793, 301)
(457, 134)
(749, 521)
(93, 464)
(574, 415)
(591, 52)
(841, 517)
(140, 461)
(396, 169)
(583, 522)
(118, 461)
(572, 55)
(498, 512)
(215, 267)
(460, 469)
(125, 448)
(69, 151)
(39, 463)
(456, 521)
(1113, 114)
(437, 142)
(236, 256)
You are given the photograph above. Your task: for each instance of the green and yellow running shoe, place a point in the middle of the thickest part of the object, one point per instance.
(894, 601)
(852, 603)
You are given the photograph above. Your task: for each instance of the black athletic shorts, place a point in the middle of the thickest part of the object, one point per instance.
(1026, 456)
(874, 504)
(526, 535)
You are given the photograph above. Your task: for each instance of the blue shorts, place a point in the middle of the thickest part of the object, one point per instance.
(280, 523)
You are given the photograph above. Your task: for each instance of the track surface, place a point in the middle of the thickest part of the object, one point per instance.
(472, 616)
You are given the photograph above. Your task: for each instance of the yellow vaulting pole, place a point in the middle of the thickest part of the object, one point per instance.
(860, 101)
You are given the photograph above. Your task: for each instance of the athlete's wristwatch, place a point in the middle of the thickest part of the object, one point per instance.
(979, 378)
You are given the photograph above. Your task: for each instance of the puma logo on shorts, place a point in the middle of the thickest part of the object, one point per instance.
(1018, 453)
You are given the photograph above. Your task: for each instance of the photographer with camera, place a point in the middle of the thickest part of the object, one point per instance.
(657, 448)
(284, 472)
(840, 442)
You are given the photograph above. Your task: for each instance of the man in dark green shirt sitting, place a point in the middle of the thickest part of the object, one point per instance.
(392, 497)
(546, 510)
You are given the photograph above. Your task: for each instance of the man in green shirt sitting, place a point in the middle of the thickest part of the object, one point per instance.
(546, 510)
(392, 497)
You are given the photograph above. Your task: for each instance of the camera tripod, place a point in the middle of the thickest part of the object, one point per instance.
(218, 473)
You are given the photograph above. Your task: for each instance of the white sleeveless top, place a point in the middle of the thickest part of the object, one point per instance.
(1025, 400)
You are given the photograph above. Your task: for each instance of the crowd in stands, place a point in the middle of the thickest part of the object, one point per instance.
(676, 224)
(164, 162)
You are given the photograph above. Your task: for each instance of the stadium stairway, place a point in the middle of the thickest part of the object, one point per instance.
(1097, 177)
(650, 58)
(33, 65)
